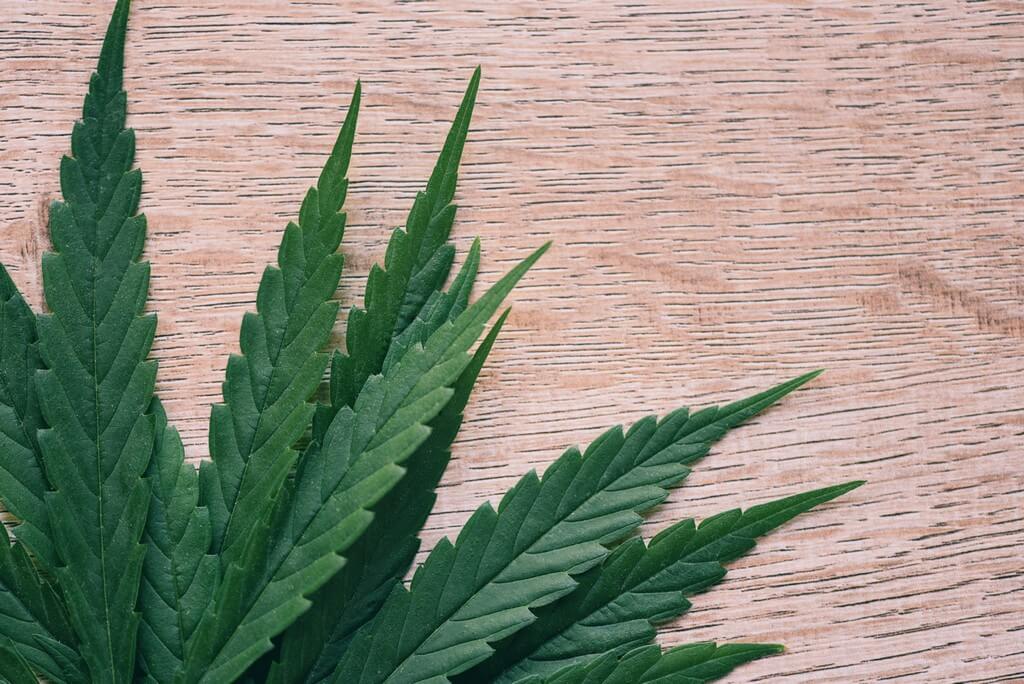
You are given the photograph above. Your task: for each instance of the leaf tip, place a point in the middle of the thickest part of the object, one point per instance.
(357, 93)
(469, 98)
(529, 261)
(805, 378)
(836, 491)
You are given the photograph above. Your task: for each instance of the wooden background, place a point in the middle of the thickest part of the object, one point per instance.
(738, 192)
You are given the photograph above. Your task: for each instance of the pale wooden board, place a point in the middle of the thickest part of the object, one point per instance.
(738, 192)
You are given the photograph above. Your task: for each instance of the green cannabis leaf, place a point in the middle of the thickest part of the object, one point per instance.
(382, 556)
(282, 558)
(525, 554)
(689, 664)
(266, 391)
(325, 508)
(617, 605)
(98, 384)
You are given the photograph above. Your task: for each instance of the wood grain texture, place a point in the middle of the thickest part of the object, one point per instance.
(738, 192)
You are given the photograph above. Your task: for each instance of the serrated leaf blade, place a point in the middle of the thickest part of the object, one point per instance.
(509, 562)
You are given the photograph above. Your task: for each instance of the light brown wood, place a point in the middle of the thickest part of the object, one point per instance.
(737, 193)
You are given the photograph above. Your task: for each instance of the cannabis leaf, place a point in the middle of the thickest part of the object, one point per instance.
(326, 507)
(98, 385)
(415, 266)
(382, 556)
(689, 664)
(266, 392)
(617, 605)
(252, 434)
(524, 555)
(282, 558)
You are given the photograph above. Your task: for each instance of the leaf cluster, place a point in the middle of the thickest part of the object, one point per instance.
(282, 558)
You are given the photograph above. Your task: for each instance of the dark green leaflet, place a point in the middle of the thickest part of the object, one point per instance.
(689, 664)
(312, 647)
(22, 478)
(326, 508)
(267, 388)
(415, 266)
(98, 384)
(617, 605)
(404, 305)
(525, 554)
(281, 345)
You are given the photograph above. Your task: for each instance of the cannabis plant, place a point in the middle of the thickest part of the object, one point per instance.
(282, 558)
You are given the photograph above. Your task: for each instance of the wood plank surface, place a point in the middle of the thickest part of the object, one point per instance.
(738, 192)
